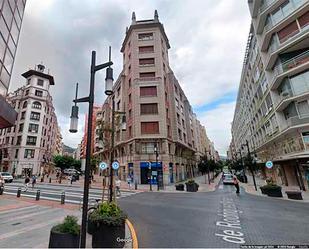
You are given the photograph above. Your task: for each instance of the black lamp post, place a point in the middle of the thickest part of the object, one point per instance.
(250, 163)
(206, 151)
(158, 171)
(73, 128)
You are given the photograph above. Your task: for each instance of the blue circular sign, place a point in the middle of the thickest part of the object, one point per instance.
(103, 165)
(115, 165)
(269, 164)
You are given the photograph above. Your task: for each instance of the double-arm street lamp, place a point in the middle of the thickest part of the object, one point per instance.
(74, 123)
(250, 162)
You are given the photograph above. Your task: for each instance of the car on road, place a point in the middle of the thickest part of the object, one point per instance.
(227, 179)
(7, 176)
(71, 172)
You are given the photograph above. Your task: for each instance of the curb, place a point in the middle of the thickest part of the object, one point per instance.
(277, 198)
(133, 234)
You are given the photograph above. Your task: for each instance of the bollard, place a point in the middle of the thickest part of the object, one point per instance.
(1, 190)
(62, 197)
(135, 185)
(38, 193)
(18, 192)
(49, 179)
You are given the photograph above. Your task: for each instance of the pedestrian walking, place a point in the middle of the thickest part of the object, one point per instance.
(70, 180)
(118, 183)
(27, 180)
(236, 184)
(33, 180)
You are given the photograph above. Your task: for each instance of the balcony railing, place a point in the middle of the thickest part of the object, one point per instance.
(286, 13)
(266, 4)
(292, 63)
(293, 121)
(144, 79)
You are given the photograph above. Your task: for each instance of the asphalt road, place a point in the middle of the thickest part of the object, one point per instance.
(216, 219)
(73, 194)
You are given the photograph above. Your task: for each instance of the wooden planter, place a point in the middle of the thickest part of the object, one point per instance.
(192, 187)
(63, 240)
(106, 236)
(274, 192)
(296, 195)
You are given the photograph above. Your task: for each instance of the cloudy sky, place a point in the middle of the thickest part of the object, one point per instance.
(207, 38)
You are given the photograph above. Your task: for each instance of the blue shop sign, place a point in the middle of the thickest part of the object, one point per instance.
(153, 165)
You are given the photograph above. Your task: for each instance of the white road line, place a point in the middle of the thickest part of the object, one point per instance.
(17, 209)
(27, 215)
(28, 229)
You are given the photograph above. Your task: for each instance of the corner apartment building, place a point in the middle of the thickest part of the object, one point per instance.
(158, 113)
(11, 15)
(28, 146)
(272, 109)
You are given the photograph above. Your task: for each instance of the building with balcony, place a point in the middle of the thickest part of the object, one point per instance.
(11, 16)
(272, 107)
(28, 146)
(158, 114)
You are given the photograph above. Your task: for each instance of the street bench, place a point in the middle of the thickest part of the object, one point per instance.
(294, 194)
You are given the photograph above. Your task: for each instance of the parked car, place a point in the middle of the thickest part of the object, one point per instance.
(7, 176)
(227, 179)
(71, 172)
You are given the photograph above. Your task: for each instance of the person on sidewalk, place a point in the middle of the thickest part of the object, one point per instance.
(118, 183)
(69, 180)
(33, 181)
(27, 180)
(236, 184)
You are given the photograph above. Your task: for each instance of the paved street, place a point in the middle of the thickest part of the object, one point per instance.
(196, 219)
(73, 194)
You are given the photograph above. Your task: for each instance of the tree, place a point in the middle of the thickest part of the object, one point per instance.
(64, 162)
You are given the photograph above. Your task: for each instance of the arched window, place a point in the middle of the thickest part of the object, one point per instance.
(36, 105)
(25, 104)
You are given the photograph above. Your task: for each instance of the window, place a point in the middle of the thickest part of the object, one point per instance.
(33, 128)
(25, 104)
(18, 141)
(130, 98)
(146, 49)
(38, 93)
(168, 131)
(23, 114)
(183, 123)
(148, 148)
(184, 138)
(288, 31)
(147, 62)
(16, 153)
(145, 36)
(36, 105)
(118, 105)
(149, 108)
(27, 92)
(29, 153)
(179, 134)
(21, 128)
(303, 109)
(31, 140)
(40, 82)
(35, 116)
(178, 118)
(304, 20)
(177, 102)
(150, 127)
(130, 113)
(129, 83)
(130, 131)
(118, 91)
(149, 91)
(28, 81)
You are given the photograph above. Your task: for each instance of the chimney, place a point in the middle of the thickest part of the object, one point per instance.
(41, 68)
(133, 18)
(156, 16)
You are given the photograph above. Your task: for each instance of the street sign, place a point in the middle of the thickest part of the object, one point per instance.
(115, 165)
(269, 164)
(103, 165)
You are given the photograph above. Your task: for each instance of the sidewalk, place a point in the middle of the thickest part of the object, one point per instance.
(249, 188)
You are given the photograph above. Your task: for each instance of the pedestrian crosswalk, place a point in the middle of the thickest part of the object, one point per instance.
(72, 195)
(29, 226)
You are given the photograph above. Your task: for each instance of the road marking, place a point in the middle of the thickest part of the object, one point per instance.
(229, 218)
(28, 229)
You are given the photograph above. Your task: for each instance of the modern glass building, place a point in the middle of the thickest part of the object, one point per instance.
(11, 15)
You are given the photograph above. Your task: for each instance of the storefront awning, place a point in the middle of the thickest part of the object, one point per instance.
(7, 114)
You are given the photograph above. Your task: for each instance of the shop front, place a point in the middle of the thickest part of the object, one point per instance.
(150, 172)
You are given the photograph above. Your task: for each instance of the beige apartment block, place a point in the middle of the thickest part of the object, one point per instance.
(272, 109)
(158, 113)
(28, 146)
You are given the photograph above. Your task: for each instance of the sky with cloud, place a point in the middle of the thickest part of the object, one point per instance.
(207, 37)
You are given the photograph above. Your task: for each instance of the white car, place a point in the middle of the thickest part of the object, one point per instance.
(227, 179)
(7, 176)
(71, 172)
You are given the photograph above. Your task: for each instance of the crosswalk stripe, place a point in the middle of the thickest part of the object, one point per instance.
(18, 209)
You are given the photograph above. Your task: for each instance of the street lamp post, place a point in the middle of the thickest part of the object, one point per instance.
(206, 151)
(150, 176)
(250, 166)
(73, 128)
(156, 151)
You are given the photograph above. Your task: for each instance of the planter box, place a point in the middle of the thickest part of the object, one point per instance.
(192, 187)
(296, 195)
(274, 192)
(263, 190)
(180, 187)
(63, 240)
(108, 236)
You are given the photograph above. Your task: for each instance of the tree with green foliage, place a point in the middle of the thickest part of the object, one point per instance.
(64, 162)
